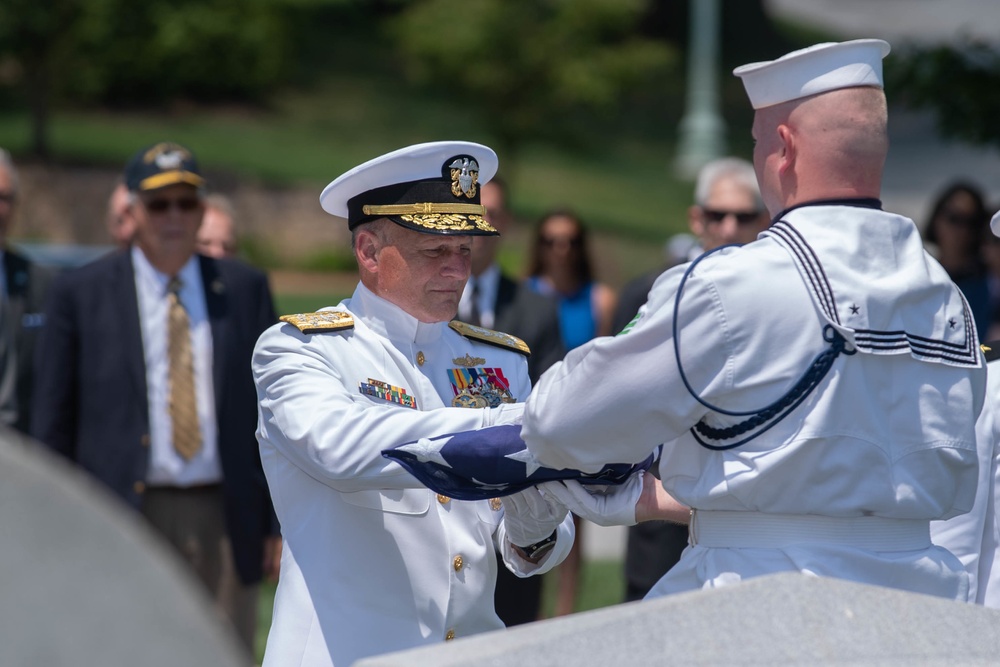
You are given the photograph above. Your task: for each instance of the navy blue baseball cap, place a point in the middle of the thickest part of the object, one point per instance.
(160, 165)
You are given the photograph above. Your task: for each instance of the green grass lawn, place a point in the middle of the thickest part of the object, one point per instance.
(602, 584)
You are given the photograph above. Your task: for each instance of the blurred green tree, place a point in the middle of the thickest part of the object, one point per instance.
(528, 68)
(124, 53)
(960, 83)
(33, 48)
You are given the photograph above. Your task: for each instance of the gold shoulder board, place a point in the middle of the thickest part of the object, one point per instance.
(491, 337)
(324, 320)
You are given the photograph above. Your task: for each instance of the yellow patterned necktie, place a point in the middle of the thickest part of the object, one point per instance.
(183, 406)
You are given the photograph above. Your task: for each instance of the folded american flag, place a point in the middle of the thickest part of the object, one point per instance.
(489, 463)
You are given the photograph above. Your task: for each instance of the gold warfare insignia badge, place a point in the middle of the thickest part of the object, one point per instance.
(468, 361)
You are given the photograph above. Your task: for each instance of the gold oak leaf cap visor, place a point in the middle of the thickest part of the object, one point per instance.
(431, 188)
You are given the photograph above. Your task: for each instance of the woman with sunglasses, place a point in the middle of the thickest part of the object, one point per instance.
(560, 267)
(955, 233)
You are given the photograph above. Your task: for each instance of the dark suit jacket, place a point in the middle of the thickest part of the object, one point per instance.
(631, 298)
(532, 317)
(90, 388)
(27, 284)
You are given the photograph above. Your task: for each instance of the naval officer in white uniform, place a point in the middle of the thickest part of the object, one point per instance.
(817, 389)
(372, 561)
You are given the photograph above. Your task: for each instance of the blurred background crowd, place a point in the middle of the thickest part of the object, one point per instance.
(610, 119)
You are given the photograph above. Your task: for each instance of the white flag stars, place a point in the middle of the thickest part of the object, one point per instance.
(427, 450)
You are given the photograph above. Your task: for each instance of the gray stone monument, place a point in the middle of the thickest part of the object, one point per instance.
(785, 619)
(84, 582)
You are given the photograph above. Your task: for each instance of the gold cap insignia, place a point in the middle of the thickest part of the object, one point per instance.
(464, 177)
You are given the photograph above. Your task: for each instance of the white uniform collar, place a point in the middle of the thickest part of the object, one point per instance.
(858, 262)
(389, 320)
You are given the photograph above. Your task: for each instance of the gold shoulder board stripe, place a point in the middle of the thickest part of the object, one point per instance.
(324, 320)
(491, 337)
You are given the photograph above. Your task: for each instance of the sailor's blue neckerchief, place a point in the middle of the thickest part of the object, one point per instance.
(763, 418)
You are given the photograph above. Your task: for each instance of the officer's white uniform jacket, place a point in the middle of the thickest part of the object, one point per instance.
(845, 485)
(975, 537)
(373, 562)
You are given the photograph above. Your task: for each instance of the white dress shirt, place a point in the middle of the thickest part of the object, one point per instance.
(166, 466)
(488, 282)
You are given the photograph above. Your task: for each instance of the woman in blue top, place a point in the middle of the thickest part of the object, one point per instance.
(560, 267)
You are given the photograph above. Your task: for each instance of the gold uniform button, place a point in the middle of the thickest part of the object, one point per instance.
(139, 487)
(448, 636)
(421, 358)
(495, 504)
(443, 499)
(458, 563)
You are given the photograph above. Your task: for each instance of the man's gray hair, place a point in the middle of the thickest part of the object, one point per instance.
(221, 203)
(377, 227)
(734, 168)
(7, 163)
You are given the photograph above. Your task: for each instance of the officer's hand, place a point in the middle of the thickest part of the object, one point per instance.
(531, 517)
(504, 414)
(612, 506)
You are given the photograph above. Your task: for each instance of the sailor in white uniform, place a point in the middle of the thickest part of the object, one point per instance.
(975, 537)
(817, 389)
(372, 561)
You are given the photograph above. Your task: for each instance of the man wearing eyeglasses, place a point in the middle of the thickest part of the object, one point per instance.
(728, 208)
(143, 379)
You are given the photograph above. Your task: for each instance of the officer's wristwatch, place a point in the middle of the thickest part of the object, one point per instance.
(534, 552)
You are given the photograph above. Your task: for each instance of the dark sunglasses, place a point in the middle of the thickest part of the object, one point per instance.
(7, 197)
(553, 241)
(961, 219)
(742, 217)
(184, 204)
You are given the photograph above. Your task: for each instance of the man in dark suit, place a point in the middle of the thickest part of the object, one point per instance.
(495, 301)
(24, 285)
(143, 379)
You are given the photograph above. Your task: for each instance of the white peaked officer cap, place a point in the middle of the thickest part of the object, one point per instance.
(431, 188)
(813, 70)
(995, 224)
